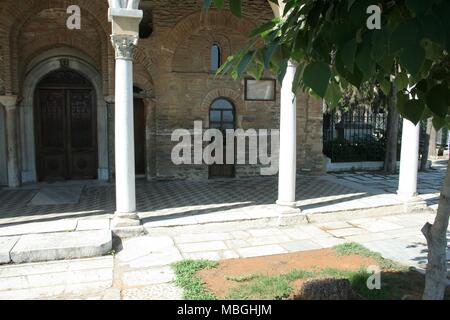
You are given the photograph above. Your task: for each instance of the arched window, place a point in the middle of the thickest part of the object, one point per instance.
(216, 60)
(221, 114)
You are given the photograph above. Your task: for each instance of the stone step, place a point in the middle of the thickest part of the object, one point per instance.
(55, 279)
(56, 246)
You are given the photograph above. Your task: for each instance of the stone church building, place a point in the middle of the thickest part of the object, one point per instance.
(57, 90)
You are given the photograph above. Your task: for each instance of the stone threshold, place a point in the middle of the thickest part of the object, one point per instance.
(52, 246)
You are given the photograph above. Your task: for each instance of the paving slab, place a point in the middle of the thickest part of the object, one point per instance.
(6, 245)
(207, 255)
(347, 232)
(156, 259)
(61, 245)
(93, 224)
(261, 251)
(136, 248)
(39, 227)
(57, 196)
(164, 291)
(202, 246)
(300, 245)
(15, 270)
(148, 276)
(48, 280)
(198, 237)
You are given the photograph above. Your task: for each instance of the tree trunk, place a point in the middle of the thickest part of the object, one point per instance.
(426, 145)
(390, 160)
(436, 235)
(432, 152)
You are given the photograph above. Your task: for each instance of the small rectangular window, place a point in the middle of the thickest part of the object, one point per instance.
(260, 90)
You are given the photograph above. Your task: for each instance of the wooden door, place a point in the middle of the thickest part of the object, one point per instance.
(52, 135)
(222, 117)
(66, 139)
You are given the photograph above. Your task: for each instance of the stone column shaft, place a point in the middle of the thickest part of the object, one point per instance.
(10, 103)
(124, 125)
(288, 141)
(409, 160)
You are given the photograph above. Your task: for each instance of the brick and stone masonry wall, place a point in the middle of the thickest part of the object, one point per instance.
(171, 67)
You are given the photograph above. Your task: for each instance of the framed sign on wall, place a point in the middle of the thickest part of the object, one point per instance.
(260, 90)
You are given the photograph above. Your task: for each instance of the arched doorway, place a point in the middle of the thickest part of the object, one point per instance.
(222, 116)
(65, 127)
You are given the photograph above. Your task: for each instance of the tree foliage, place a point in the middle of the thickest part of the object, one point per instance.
(335, 51)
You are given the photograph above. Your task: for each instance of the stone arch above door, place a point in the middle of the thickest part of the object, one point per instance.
(26, 113)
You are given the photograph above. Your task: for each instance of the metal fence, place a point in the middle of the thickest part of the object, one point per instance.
(358, 134)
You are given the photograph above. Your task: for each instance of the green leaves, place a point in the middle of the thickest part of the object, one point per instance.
(263, 29)
(244, 63)
(379, 45)
(404, 35)
(418, 7)
(437, 99)
(401, 81)
(235, 7)
(348, 53)
(268, 53)
(412, 110)
(333, 95)
(432, 28)
(365, 62)
(218, 4)
(317, 77)
(413, 57)
(335, 50)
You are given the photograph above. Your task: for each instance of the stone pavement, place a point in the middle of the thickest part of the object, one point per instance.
(141, 267)
(429, 182)
(174, 203)
(203, 219)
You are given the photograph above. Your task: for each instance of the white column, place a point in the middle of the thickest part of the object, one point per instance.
(124, 126)
(10, 103)
(409, 160)
(125, 18)
(288, 141)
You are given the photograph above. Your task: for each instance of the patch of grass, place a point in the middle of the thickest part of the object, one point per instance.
(264, 287)
(243, 278)
(186, 278)
(394, 284)
(350, 248)
(358, 280)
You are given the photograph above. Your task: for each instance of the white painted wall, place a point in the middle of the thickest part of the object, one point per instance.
(3, 167)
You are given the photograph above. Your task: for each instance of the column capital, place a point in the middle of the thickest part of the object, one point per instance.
(124, 4)
(110, 99)
(124, 45)
(292, 64)
(10, 102)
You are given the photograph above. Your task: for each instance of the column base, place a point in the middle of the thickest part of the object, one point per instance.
(412, 202)
(289, 204)
(127, 225)
(289, 215)
(287, 208)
